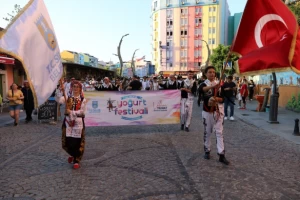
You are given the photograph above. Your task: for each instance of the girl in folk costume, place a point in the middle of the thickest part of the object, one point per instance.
(73, 128)
(188, 88)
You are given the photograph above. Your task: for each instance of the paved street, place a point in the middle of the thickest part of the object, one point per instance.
(149, 162)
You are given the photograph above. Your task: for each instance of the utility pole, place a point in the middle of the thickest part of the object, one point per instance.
(119, 54)
(132, 62)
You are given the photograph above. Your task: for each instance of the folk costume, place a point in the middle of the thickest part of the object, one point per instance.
(187, 100)
(170, 85)
(73, 127)
(105, 87)
(213, 117)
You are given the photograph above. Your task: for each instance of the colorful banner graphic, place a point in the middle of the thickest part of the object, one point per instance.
(132, 108)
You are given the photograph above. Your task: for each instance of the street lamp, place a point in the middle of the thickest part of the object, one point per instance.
(119, 53)
(208, 50)
(132, 62)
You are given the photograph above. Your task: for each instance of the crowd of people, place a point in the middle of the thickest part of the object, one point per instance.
(216, 96)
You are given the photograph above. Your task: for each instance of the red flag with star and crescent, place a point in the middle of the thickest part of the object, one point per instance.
(266, 39)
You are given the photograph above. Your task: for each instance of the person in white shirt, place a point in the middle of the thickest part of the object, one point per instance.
(154, 84)
(145, 83)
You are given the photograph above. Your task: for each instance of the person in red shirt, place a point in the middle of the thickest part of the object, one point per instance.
(244, 92)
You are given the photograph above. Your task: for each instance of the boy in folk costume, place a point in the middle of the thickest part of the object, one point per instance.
(188, 88)
(73, 128)
(213, 113)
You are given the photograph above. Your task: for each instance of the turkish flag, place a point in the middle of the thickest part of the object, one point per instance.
(265, 37)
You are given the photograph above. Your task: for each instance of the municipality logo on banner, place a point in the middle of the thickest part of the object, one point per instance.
(41, 56)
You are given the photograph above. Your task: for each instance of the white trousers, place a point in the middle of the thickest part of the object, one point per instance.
(213, 122)
(186, 110)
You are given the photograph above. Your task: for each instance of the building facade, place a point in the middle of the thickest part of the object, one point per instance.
(233, 25)
(181, 29)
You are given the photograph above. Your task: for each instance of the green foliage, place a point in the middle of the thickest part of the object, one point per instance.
(17, 9)
(295, 8)
(294, 104)
(218, 57)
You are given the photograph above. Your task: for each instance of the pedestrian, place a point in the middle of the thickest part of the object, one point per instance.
(28, 101)
(213, 113)
(15, 97)
(251, 86)
(188, 88)
(229, 94)
(244, 92)
(73, 128)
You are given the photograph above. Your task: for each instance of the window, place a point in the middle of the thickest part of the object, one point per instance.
(184, 11)
(199, 64)
(183, 1)
(214, 19)
(210, 9)
(171, 22)
(185, 53)
(168, 44)
(155, 4)
(195, 54)
(167, 33)
(209, 41)
(209, 30)
(185, 21)
(168, 23)
(182, 42)
(214, 9)
(210, 19)
(200, 10)
(181, 53)
(171, 33)
(197, 11)
(184, 64)
(185, 32)
(168, 54)
(185, 42)
(213, 30)
(213, 41)
(181, 64)
(169, 13)
(169, 2)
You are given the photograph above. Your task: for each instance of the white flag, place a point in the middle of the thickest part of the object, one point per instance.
(30, 38)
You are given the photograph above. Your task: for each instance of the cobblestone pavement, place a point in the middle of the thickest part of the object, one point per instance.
(150, 162)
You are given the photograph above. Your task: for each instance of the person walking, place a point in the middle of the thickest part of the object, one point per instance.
(229, 94)
(188, 88)
(213, 114)
(244, 93)
(251, 86)
(28, 101)
(15, 97)
(73, 128)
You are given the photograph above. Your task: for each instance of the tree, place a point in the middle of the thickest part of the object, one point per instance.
(294, 6)
(17, 9)
(218, 57)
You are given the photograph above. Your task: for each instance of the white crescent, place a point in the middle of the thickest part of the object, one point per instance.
(261, 23)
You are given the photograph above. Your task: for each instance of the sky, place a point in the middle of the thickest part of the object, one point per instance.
(96, 26)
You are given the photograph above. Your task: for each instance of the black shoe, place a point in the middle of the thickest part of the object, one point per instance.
(187, 129)
(223, 160)
(182, 127)
(207, 155)
(15, 124)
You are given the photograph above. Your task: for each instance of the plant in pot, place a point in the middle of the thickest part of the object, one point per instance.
(291, 102)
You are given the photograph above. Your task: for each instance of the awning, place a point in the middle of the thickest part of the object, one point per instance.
(7, 61)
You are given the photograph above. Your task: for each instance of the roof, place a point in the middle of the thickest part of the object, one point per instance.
(79, 65)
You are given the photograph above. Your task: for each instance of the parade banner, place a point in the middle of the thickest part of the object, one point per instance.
(132, 108)
(30, 38)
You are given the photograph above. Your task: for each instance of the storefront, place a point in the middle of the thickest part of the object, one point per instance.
(80, 72)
